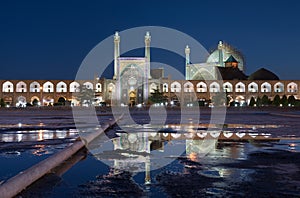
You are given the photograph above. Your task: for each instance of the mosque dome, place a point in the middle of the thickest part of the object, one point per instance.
(263, 74)
(223, 52)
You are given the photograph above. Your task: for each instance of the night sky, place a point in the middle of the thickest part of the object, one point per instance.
(50, 39)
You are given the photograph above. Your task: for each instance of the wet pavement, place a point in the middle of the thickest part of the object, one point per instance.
(177, 161)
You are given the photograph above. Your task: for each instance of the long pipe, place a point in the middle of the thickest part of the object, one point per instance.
(19, 182)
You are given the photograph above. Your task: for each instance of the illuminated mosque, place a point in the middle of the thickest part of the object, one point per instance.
(134, 81)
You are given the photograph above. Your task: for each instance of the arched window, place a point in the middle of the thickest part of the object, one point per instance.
(292, 87)
(201, 87)
(74, 87)
(34, 87)
(165, 87)
(266, 87)
(253, 87)
(7, 87)
(279, 87)
(227, 87)
(175, 87)
(188, 87)
(48, 87)
(98, 87)
(240, 87)
(21, 87)
(61, 87)
(214, 87)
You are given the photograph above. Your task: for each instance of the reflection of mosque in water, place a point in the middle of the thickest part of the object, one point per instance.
(37, 141)
(137, 148)
(37, 135)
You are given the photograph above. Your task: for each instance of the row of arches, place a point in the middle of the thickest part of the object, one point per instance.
(229, 87)
(48, 87)
(22, 101)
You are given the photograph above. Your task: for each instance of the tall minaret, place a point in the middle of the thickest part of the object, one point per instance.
(220, 48)
(147, 66)
(187, 62)
(116, 54)
(187, 55)
(147, 53)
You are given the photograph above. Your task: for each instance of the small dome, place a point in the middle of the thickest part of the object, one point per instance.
(231, 59)
(227, 51)
(263, 74)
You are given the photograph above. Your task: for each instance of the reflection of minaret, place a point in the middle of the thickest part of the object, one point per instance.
(116, 54)
(220, 48)
(147, 170)
(187, 62)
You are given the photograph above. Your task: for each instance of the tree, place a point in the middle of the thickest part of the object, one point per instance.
(157, 97)
(35, 102)
(276, 101)
(297, 103)
(61, 101)
(258, 101)
(284, 101)
(292, 100)
(85, 96)
(252, 102)
(2, 103)
(265, 100)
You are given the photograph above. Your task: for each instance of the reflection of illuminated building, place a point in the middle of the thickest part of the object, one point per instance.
(37, 135)
(196, 149)
(137, 142)
(138, 147)
(142, 151)
(137, 150)
(197, 144)
(36, 141)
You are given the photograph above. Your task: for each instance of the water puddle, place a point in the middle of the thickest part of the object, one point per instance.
(169, 160)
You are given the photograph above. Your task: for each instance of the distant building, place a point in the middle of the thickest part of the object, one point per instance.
(134, 81)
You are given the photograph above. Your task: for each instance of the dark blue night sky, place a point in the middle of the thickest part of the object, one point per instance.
(49, 39)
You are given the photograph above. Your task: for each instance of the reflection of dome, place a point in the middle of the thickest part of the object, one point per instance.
(263, 74)
(226, 51)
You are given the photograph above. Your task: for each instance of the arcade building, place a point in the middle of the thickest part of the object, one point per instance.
(134, 82)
